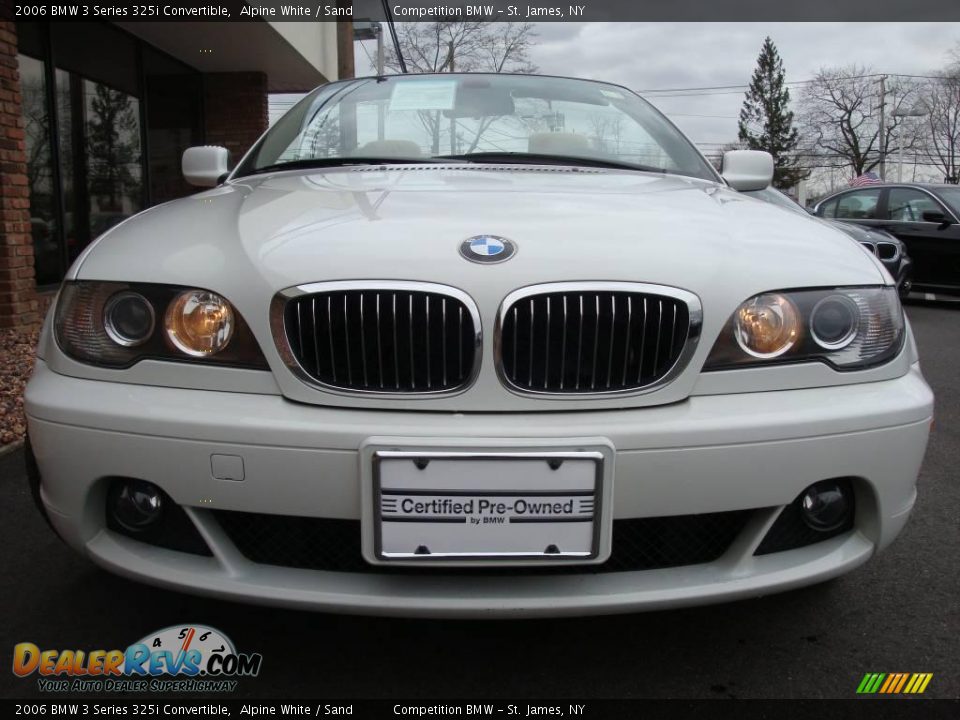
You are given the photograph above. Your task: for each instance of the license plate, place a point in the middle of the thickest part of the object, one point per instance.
(496, 506)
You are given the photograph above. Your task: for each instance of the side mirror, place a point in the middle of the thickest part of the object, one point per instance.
(935, 216)
(747, 170)
(205, 165)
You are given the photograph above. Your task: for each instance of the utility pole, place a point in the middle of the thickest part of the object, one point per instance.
(345, 67)
(453, 118)
(883, 127)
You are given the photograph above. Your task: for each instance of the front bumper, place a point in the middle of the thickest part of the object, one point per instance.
(712, 454)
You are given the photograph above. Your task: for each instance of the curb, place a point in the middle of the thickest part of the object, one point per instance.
(10, 448)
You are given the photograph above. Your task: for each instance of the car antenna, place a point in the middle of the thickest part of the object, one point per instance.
(393, 34)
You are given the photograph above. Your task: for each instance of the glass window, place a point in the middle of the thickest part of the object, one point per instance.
(93, 176)
(68, 169)
(48, 261)
(909, 205)
(860, 205)
(952, 197)
(98, 51)
(411, 117)
(112, 134)
(173, 95)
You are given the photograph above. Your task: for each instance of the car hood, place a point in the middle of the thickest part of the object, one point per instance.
(257, 235)
(407, 223)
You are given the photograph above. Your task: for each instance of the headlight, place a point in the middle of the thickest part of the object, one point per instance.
(199, 323)
(848, 328)
(115, 325)
(128, 319)
(766, 326)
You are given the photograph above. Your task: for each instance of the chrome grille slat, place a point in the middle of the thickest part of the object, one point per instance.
(643, 341)
(379, 343)
(563, 344)
(633, 340)
(626, 339)
(580, 344)
(333, 359)
(363, 345)
(385, 339)
(426, 303)
(316, 335)
(613, 323)
(396, 346)
(531, 342)
(546, 371)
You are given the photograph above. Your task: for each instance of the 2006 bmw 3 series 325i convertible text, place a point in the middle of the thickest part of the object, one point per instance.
(459, 345)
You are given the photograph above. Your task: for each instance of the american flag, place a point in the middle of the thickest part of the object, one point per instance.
(868, 178)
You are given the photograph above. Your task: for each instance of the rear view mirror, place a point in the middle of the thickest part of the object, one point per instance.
(477, 101)
(747, 170)
(935, 216)
(205, 165)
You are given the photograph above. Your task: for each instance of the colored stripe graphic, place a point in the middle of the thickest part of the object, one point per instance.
(894, 683)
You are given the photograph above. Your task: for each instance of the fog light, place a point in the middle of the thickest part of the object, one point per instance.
(825, 505)
(136, 504)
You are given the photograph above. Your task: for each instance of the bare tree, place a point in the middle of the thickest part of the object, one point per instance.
(941, 101)
(840, 114)
(463, 46)
(505, 46)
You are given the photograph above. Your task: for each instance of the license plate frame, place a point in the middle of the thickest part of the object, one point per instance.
(566, 488)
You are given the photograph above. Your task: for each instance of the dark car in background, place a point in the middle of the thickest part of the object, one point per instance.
(889, 249)
(923, 216)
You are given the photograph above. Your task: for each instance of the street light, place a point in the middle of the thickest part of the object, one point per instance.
(368, 30)
(919, 109)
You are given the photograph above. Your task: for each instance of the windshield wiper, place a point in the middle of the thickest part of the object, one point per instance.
(338, 162)
(550, 159)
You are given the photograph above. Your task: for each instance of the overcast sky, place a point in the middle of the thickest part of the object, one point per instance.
(646, 56)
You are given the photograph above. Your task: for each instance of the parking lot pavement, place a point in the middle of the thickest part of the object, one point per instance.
(898, 613)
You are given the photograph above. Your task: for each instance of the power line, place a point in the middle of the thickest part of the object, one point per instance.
(696, 91)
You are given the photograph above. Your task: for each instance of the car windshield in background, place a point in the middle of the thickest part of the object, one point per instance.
(476, 118)
(951, 196)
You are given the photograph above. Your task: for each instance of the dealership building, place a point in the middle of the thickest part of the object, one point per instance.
(94, 117)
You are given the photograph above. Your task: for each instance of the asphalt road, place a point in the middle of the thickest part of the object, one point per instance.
(898, 613)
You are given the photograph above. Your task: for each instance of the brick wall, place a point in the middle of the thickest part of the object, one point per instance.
(18, 299)
(235, 109)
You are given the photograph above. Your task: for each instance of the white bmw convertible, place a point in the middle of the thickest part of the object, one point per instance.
(488, 345)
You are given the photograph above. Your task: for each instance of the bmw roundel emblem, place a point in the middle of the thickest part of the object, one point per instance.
(487, 249)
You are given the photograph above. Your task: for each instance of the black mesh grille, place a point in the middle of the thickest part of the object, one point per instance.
(395, 341)
(789, 531)
(325, 544)
(589, 341)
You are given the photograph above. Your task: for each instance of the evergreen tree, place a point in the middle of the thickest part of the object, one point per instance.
(766, 122)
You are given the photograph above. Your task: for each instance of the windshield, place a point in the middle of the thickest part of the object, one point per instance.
(475, 118)
(951, 196)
